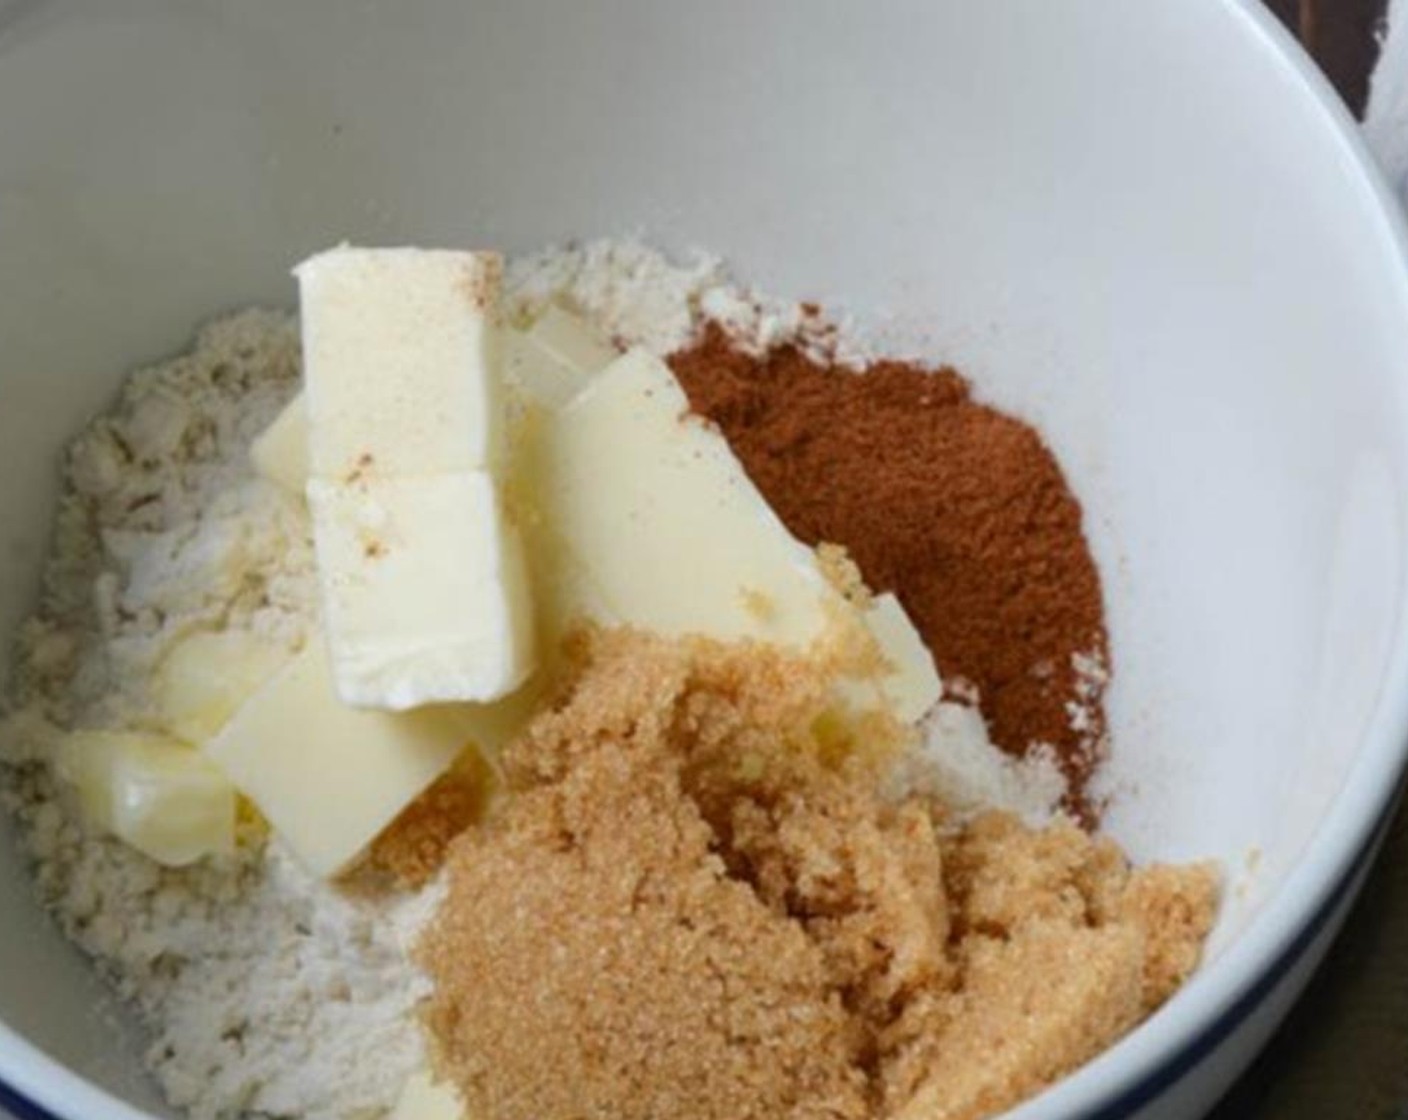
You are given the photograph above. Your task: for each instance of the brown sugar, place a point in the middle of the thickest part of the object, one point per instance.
(959, 509)
(594, 957)
(690, 906)
(413, 848)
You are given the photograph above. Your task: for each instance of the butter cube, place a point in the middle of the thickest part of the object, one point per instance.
(425, 590)
(424, 1098)
(651, 503)
(399, 361)
(489, 728)
(204, 678)
(425, 593)
(645, 517)
(280, 453)
(550, 362)
(912, 686)
(329, 778)
(153, 793)
(564, 593)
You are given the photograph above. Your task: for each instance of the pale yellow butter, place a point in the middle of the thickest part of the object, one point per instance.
(280, 453)
(424, 1098)
(425, 589)
(547, 364)
(572, 340)
(328, 777)
(652, 505)
(551, 361)
(645, 517)
(206, 676)
(153, 793)
(912, 685)
(400, 363)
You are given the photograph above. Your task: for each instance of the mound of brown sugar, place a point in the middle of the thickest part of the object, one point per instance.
(696, 905)
(413, 848)
(959, 509)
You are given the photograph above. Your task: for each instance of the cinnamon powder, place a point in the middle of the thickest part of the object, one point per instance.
(959, 509)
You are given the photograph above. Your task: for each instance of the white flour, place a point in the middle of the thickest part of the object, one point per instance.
(266, 992)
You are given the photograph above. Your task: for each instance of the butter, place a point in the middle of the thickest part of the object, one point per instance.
(629, 500)
(652, 505)
(206, 676)
(280, 453)
(424, 1098)
(911, 685)
(571, 340)
(550, 362)
(645, 517)
(327, 777)
(400, 361)
(151, 792)
(547, 364)
(424, 588)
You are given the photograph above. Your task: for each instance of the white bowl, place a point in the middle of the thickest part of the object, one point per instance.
(1148, 227)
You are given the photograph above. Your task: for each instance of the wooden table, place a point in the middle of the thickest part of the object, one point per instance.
(1339, 34)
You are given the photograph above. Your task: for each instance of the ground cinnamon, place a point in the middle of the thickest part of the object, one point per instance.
(959, 509)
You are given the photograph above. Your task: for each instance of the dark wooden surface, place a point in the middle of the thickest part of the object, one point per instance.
(1339, 34)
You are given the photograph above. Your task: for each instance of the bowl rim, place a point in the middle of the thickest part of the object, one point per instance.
(1226, 991)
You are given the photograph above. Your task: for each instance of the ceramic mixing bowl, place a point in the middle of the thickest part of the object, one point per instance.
(1147, 227)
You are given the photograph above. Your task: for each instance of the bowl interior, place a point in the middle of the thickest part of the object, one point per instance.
(1133, 224)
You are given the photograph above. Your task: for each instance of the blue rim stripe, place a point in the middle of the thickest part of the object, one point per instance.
(1169, 1072)
(1174, 1069)
(21, 1106)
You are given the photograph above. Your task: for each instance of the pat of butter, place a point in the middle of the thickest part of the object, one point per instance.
(329, 778)
(550, 362)
(647, 518)
(424, 1098)
(400, 361)
(425, 589)
(652, 505)
(571, 340)
(153, 793)
(547, 364)
(206, 676)
(912, 685)
(280, 452)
